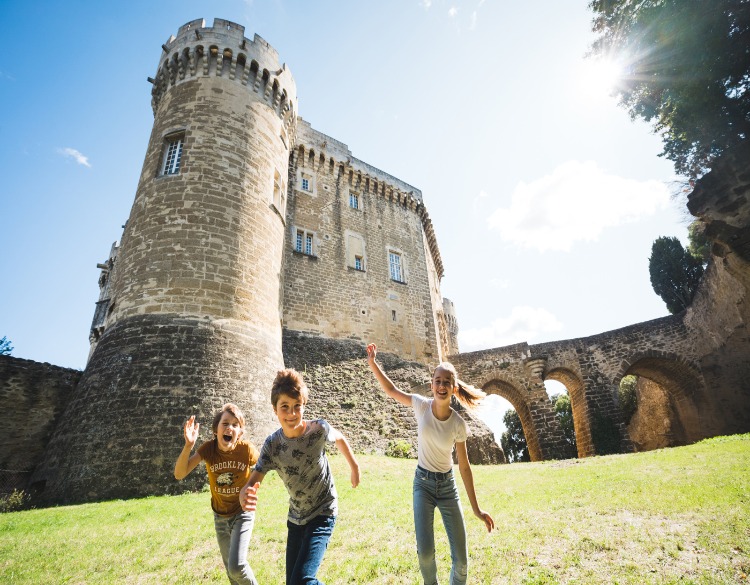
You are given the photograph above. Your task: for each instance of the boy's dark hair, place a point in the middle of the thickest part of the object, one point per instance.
(290, 383)
(232, 409)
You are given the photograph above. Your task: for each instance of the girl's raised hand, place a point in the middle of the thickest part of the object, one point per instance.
(191, 431)
(372, 351)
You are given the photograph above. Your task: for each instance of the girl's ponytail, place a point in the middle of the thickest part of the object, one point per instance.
(468, 395)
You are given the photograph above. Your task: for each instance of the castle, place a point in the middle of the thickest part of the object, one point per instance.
(256, 242)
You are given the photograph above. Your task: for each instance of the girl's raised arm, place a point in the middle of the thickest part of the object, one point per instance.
(385, 382)
(185, 462)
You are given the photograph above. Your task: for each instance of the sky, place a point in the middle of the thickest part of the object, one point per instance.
(544, 195)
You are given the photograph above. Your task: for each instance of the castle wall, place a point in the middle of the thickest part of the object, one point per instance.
(339, 284)
(33, 396)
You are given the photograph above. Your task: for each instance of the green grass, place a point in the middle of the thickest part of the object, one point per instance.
(670, 516)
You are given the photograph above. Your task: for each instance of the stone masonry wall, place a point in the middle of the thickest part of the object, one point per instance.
(33, 396)
(341, 286)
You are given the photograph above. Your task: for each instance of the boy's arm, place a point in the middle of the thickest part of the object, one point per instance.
(343, 445)
(468, 478)
(385, 382)
(249, 492)
(185, 462)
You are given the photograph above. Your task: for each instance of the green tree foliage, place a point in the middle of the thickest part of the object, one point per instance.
(5, 346)
(699, 245)
(564, 413)
(675, 273)
(628, 397)
(513, 440)
(686, 71)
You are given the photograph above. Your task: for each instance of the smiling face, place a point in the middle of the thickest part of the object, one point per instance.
(228, 431)
(443, 385)
(290, 411)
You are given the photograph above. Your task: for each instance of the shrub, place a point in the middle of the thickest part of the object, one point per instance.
(16, 500)
(399, 448)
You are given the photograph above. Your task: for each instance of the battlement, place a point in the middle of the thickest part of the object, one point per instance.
(223, 51)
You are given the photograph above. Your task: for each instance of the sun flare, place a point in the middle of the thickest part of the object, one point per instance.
(597, 79)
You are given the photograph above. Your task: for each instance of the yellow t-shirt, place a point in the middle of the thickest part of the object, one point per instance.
(228, 472)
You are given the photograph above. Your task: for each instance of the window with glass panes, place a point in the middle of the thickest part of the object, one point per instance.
(304, 242)
(394, 261)
(172, 155)
(353, 200)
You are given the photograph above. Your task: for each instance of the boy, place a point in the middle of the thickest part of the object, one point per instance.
(229, 460)
(297, 452)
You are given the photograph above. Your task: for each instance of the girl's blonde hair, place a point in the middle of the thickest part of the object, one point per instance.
(468, 395)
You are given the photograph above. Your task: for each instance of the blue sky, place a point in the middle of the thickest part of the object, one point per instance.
(544, 195)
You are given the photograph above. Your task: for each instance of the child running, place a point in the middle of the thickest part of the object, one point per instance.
(439, 428)
(229, 461)
(297, 452)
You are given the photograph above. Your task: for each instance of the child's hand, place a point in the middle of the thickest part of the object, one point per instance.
(355, 477)
(372, 351)
(487, 519)
(191, 431)
(249, 497)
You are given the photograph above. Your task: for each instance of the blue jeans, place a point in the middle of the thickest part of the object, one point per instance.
(305, 546)
(438, 490)
(233, 534)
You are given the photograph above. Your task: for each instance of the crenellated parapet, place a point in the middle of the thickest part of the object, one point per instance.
(223, 51)
(323, 154)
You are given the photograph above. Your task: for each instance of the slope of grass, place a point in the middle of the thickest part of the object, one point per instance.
(669, 516)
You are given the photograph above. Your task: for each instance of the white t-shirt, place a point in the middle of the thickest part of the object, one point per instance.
(436, 437)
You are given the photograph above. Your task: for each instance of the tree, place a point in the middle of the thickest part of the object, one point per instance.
(513, 441)
(699, 245)
(686, 72)
(564, 413)
(5, 346)
(675, 273)
(628, 396)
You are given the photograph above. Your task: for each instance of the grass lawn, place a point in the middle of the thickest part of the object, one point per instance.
(677, 515)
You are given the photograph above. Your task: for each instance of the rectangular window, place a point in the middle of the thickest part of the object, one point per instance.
(303, 242)
(279, 192)
(393, 315)
(172, 155)
(353, 201)
(305, 184)
(358, 263)
(394, 262)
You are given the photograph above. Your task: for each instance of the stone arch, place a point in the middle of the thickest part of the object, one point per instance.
(577, 394)
(683, 385)
(513, 394)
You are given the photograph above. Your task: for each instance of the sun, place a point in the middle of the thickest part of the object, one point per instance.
(597, 78)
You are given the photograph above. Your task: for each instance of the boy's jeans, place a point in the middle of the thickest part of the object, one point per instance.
(438, 490)
(305, 546)
(233, 534)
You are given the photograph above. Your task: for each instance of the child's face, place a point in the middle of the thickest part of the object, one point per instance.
(443, 384)
(290, 412)
(228, 432)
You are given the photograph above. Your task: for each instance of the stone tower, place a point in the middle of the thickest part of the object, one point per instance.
(193, 315)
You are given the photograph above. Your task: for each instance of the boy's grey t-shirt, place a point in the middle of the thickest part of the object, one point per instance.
(303, 467)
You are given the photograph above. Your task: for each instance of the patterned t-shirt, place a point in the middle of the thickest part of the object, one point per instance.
(228, 472)
(302, 464)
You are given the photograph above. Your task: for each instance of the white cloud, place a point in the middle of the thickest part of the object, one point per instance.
(499, 283)
(453, 11)
(75, 155)
(426, 4)
(523, 324)
(576, 202)
(473, 24)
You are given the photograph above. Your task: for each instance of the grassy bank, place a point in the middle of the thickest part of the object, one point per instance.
(669, 516)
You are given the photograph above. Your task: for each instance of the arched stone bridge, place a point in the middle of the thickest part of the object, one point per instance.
(591, 369)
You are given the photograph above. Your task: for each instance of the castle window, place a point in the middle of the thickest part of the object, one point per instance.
(305, 184)
(395, 266)
(393, 314)
(172, 154)
(303, 242)
(355, 250)
(279, 193)
(353, 200)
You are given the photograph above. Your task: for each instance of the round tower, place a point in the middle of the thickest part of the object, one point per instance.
(451, 325)
(193, 315)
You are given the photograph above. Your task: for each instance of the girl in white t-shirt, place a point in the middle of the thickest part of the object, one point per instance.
(439, 428)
